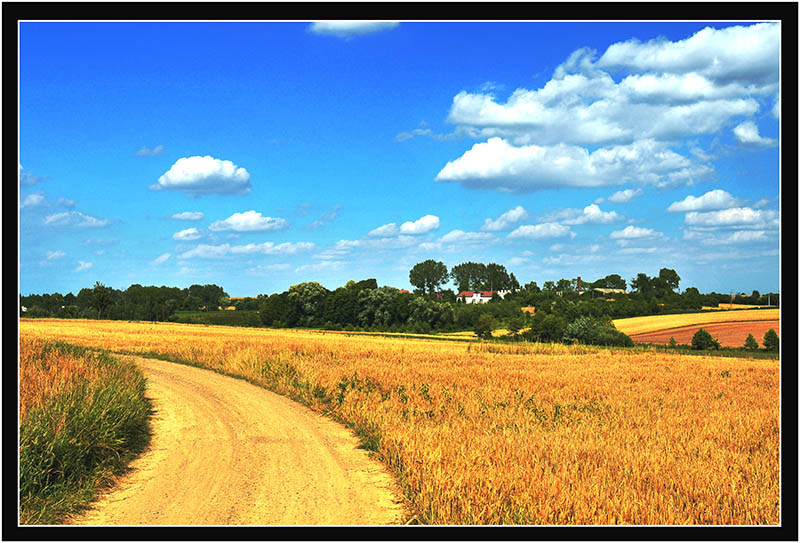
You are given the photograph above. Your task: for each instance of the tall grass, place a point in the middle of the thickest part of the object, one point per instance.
(82, 417)
(515, 433)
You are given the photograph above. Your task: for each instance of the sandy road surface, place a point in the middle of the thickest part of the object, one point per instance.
(227, 452)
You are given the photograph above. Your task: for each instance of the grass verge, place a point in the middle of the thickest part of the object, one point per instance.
(83, 417)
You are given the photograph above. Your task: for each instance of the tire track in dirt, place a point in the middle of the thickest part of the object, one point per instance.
(227, 452)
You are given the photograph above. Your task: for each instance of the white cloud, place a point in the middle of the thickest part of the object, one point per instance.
(498, 164)
(83, 266)
(248, 221)
(747, 133)
(715, 199)
(52, 255)
(74, 218)
(538, 231)
(161, 259)
(33, 200)
(589, 214)
(623, 196)
(189, 216)
(737, 216)
(187, 235)
(461, 237)
(198, 175)
(267, 248)
(504, 221)
(144, 151)
(27, 178)
(420, 226)
(732, 238)
(385, 231)
(347, 29)
(635, 232)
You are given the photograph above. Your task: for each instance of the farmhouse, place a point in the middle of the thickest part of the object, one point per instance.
(479, 296)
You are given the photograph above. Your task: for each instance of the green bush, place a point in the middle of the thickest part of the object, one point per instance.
(591, 331)
(750, 344)
(702, 341)
(771, 341)
(485, 326)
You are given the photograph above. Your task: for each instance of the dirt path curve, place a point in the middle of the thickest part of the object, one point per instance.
(227, 452)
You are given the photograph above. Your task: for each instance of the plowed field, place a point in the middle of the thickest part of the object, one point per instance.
(729, 334)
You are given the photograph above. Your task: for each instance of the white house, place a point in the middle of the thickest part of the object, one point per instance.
(480, 296)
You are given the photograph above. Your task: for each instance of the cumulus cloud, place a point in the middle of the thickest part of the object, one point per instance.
(539, 231)
(660, 91)
(737, 216)
(589, 214)
(622, 196)
(505, 221)
(33, 200)
(715, 199)
(187, 235)
(461, 237)
(635, 232)
(386, 230)
(144, 151)
(266, 248)
(74, 218)
(198, 175)
(747, 134)
(348, 29)
(520, 169)
(421, 225)
(248, 221)
(728, 238)
(189, 216)
(83, 266)
(161, 259)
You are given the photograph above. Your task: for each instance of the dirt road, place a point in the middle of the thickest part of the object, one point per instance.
(227, 452)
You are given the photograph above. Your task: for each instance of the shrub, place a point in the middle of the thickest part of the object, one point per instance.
(590, 331)
(771, 341)
(485, 326)
(702, 341)
(750, 344)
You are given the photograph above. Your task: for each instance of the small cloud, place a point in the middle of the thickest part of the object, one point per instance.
(504, 221)
(248, 221)
(33, 200)
(459, 236)
(386, 230)
(199, 175)
(26, 178)
(144, 151)
(539, 231)
(715, 199)
(635, 232)
(589, 214)
(53, 255)
(737, 216)
(189, 234)
(349, 29)
(747, 134)
(420, 226)
(74, 218)
(189, 216)
(83, 266)
(65, 202)
(161, 259)
(622, 196)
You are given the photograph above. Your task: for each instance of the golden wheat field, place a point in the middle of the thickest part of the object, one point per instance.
(483, 433)
(653, 323)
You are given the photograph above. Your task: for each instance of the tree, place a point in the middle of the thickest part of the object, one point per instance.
(702, 340)
(497, 277)
(669, 278)
(485, 326)
(771, 341)
(750, 344)
(469, 276)
(102, 298)
(428, 276)
(532, 287)
(611, 281)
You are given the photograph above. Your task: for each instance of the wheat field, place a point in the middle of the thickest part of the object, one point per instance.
(653, 323)
(483, 433)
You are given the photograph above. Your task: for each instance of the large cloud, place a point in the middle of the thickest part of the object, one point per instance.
(421, 225)
(248, 221)
(734, 217)
(199, 175)
(665, 92)
(519, 169)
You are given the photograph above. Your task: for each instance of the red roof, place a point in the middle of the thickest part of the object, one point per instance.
(483, 293)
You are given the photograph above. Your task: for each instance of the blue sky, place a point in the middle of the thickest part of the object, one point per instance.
(260, 155)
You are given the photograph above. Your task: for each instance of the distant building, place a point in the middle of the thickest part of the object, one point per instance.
(480, 296)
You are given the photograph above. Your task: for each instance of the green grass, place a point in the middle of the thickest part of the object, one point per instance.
(76, 437)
